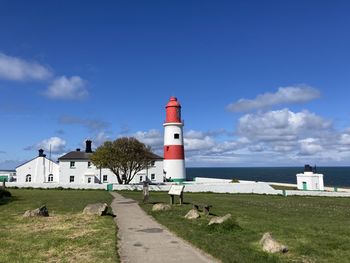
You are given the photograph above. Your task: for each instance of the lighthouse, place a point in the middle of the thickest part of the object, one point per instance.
(174, 155)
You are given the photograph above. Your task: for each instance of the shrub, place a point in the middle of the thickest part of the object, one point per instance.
(4, 193)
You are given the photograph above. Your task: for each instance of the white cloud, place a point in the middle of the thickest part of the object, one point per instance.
(283, 125)
(198, 144)
(296, 138)
(151, 138)
(310, 146)
(284, 95)
(13, 68)
(344, 139)
(56, 144)
(72, 88)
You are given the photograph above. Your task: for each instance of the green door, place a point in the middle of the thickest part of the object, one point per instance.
(109, 187)
(304, 186)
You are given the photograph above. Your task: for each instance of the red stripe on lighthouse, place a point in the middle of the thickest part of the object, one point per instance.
(174, 152)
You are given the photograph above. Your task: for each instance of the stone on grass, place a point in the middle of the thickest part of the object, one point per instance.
(161, 207)
(270, 245)
(219, 219)
(192, 214)
(99, 209)
(41, 211)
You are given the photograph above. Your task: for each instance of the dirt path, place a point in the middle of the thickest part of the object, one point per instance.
(142, 239)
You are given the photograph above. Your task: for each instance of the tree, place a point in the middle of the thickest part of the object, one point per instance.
(125, 157)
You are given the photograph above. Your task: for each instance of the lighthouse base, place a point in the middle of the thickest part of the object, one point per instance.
(175, 170)
(177, 180)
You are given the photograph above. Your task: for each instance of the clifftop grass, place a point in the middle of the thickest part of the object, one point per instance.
(316, 229)
(65, 236)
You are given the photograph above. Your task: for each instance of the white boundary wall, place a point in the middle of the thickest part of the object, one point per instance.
(56, 185)
(233, 188)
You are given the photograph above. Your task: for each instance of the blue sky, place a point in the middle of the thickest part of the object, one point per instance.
(263, 83)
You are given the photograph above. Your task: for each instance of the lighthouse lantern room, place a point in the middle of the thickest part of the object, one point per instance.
(174, 156)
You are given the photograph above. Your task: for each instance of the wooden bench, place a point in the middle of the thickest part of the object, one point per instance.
(176, 190)
(204, 207)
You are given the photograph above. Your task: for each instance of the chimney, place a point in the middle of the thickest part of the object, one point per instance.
(78, 149)
(41, 153)
(88, 146)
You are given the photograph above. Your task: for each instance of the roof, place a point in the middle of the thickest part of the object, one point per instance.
(76, 155)
(34, 159)
(154, 156)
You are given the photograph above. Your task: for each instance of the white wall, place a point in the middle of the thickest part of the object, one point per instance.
(39, 169)
(82, 172)
(313, 181)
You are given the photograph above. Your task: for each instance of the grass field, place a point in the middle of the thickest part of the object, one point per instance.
(65, 236)
(316, 229)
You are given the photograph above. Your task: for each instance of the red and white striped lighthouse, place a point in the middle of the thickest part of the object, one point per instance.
(174, 155)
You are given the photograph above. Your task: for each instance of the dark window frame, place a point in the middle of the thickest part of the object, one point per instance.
(105, 178)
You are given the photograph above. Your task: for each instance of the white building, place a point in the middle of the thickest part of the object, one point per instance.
(310, 180)
(76, 168)
(38, 170)
(7, 175)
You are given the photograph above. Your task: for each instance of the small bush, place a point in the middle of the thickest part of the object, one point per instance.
(4, 193)
(234, 180)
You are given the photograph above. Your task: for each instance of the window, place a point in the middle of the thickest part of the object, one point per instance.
(141, 178)
(89, 180)
(105, 178)
(28, 178)
(89, 164)
(50, 177)
(152, 163)
(153, 176)
(72, 164)
(71, 178)
(176, 136)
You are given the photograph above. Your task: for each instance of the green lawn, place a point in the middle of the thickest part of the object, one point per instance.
(316, 229)
(65, 236)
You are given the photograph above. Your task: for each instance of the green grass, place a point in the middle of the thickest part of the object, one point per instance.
(65, 236)
(316, 229)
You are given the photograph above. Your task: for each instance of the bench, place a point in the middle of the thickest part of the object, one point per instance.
(176, 190)
(204, 207)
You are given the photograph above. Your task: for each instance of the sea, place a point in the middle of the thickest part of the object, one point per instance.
(333, 176)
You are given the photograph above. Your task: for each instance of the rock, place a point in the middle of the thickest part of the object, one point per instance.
(161, 207)
(192, 214)
(99, 209)
(219, 219)
(269, 244)
(41, 211)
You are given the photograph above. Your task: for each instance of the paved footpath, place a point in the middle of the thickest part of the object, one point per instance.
(142, 239)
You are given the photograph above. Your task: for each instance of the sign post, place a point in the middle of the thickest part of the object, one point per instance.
(176, 190)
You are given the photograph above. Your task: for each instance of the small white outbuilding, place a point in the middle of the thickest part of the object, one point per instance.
(310, 180)
(38, 170)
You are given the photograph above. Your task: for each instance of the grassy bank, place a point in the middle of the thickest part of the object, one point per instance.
(315, 229)
(65, 236)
